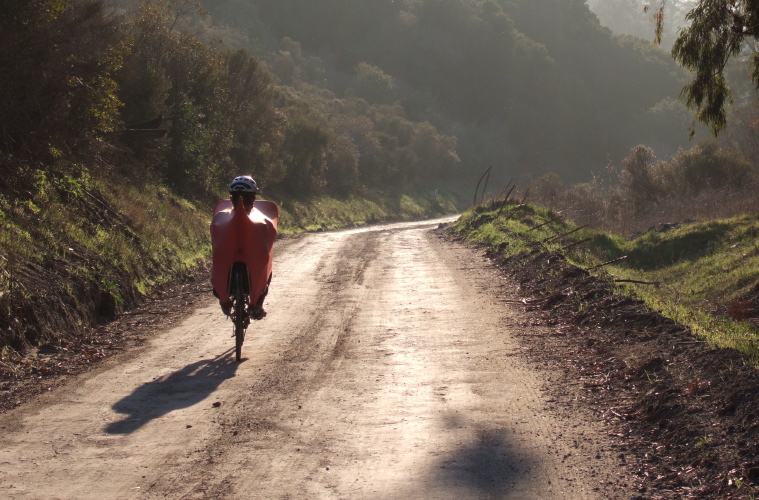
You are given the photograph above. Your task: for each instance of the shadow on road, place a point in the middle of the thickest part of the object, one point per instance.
(492, 467)
(181, 389)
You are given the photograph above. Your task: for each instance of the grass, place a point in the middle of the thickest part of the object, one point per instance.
(702, 268)
(71, 239)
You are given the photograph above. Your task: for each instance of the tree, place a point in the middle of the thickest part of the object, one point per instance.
(718, 31)
(57, 63)
(633, 17)
(374, 84)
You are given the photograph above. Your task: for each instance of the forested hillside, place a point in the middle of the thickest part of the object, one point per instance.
(526, 85)
(120, 128)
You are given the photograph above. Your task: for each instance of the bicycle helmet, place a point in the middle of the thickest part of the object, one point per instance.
(243, 184)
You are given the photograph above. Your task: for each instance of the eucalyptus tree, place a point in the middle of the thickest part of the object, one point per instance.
(718, 31)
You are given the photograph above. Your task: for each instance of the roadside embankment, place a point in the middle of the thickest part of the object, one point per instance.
(76, 250)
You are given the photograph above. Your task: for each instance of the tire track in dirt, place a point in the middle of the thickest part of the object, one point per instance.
(319, 318)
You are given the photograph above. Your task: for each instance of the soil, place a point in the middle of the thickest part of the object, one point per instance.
(544, 383)
(51, 365)
(746, 307)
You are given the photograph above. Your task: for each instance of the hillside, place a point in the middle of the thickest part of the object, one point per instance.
(120, 125)
(527, 86)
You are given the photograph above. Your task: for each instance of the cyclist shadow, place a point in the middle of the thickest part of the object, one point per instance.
(181, 389)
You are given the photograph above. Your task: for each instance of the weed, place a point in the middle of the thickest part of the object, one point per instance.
(703, 442)
(113, 289)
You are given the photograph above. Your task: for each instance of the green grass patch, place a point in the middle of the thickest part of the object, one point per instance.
(702, 268)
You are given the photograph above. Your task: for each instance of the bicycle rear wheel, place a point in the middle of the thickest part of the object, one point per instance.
(240, 314)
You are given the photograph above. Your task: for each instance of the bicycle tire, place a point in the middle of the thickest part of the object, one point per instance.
(240, 315)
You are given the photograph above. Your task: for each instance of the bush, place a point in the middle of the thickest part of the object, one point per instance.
(638, 176)
(58, 61)
(707, 166)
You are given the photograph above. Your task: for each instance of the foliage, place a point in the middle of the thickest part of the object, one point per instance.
(69, 237)
(519, 84)
(717, 32)
(374, 84)
(707, 166)
(706, 181)
(59, 59)
(335, 212)
(687, 173)
(341, 145)
(634, 17)
(228, 115)
(94, 210)
(638, 176)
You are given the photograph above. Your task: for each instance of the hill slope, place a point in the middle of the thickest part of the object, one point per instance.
(529, 86)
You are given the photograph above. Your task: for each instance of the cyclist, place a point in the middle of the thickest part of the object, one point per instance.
(253, 248)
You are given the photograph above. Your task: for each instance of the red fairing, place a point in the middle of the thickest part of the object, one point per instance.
(239, 237)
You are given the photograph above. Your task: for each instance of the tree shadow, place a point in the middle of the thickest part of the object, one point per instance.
(492, 467)
(181, 389)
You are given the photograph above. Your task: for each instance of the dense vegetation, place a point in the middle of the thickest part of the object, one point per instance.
(117, 132)
(704, 182)
(706, 37)
(638, 17)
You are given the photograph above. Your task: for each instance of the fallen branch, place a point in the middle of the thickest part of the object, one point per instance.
(513, 212)
(120, 217)
(606, 263)
(576, 243)
(540, 225)
(565, 234)
(657, 283)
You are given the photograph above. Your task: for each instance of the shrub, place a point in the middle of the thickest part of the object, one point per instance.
(58, 59)
(638, 176)
(707, 166)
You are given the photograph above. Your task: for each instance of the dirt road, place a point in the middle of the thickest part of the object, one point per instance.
(388, 368)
